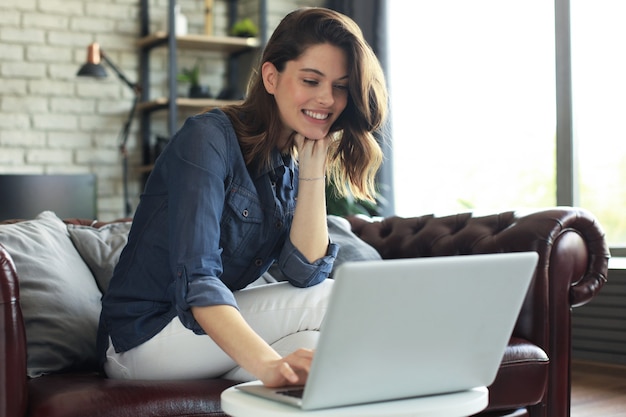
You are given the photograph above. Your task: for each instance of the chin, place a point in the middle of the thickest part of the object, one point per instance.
(315, 134)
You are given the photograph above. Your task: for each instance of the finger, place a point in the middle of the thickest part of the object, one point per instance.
(300, 360)
(288, 373)
(305, 353)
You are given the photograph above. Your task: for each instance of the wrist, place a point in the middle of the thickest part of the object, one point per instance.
(320, 178)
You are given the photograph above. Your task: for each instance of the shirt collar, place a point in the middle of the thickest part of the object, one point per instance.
(278, 161)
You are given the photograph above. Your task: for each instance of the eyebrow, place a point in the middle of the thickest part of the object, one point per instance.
(320, 73)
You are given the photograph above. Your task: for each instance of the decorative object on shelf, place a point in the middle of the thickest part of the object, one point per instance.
(244, 28)
(93, 68)
(180, 24)
(208, 17)
(192, 76)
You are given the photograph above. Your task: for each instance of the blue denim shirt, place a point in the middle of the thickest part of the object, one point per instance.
(206, 225)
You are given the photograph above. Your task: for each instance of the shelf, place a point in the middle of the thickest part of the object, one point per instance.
(225, 44)
(184, 103)
(231, 49)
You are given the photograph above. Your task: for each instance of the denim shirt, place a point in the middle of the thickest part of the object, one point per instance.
(206, 225)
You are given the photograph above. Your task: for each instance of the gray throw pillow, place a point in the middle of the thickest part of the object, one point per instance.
(59, 297)
(351, 248)
(100, 248)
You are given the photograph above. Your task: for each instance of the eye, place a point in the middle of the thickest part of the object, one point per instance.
(341, 87)
(310, 82)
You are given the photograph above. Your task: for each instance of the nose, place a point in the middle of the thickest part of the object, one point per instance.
(325, 96)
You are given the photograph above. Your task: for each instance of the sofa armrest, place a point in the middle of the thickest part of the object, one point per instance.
(13, 391)
(572, 267)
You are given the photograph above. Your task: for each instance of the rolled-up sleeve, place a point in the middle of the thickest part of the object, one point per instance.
(201, 291)
(299, 271)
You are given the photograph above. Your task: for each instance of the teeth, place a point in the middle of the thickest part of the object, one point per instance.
(318, 116)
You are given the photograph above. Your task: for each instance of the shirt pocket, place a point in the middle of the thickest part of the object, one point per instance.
(241, 226)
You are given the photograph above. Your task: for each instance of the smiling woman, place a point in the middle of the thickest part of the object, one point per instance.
(237, 190)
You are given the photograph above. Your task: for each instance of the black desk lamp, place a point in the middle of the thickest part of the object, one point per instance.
(93, 68)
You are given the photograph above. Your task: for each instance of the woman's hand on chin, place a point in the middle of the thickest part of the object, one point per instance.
(312, 155)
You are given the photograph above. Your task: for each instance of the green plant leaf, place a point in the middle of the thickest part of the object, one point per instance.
(244, 28)
(190, 75)
(348, 205)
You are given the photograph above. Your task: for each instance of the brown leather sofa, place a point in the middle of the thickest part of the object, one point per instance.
(534, 378)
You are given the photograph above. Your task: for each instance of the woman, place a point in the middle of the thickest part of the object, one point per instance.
(236, 190)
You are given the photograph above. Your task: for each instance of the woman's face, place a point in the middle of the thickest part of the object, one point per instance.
(311, 91)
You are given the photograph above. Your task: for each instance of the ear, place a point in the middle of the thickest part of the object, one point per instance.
(269, 73)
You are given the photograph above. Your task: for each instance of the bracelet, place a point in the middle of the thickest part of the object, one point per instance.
(312, 179)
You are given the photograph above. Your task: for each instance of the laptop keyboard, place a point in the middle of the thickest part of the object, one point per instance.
(296, 392)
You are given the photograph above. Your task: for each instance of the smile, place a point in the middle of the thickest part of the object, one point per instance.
(315, 115)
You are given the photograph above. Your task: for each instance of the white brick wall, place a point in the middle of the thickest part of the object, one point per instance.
(53, 122)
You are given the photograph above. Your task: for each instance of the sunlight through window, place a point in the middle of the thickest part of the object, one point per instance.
(473, 105)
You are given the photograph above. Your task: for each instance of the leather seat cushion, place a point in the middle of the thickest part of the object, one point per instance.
(520, 412)
(79, 395)
(521, 380)
(522, 377)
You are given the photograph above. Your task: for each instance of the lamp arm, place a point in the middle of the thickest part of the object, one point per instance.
(123, 139)
(94, 55)
(123, 136)
(130, 84)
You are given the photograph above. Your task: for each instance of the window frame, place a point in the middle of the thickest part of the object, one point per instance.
(567, 181)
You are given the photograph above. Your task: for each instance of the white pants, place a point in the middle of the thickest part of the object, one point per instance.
(286, 317)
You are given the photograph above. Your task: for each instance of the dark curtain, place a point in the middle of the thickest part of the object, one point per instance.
(371, 16)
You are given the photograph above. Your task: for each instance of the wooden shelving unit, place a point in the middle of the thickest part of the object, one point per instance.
(183, 103)
(229, 47)
(224, 44)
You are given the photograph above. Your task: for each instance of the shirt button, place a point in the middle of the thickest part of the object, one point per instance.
(245, 213)
(279, 224)
(258, 262)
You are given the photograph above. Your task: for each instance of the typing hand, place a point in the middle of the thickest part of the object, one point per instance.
(293, 369)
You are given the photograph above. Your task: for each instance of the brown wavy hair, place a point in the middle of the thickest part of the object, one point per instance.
(355, 156)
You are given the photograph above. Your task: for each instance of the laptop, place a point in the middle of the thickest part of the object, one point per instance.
(405, 328)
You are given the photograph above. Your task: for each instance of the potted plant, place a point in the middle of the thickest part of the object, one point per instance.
(244, 28)
(349, 205)
(192, 76)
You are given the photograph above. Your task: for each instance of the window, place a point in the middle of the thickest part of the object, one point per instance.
(599, 109)
(473, 102)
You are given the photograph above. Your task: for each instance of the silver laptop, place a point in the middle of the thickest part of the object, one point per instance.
(406, 328)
